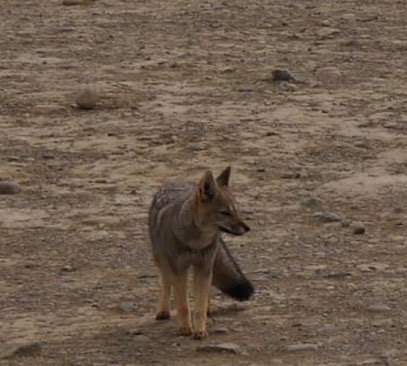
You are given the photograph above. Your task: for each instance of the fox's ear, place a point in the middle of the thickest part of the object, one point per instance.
(207, 187)
(223, 178)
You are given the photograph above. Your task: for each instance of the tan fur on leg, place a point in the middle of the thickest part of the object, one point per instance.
(202, 284)
(181, 303)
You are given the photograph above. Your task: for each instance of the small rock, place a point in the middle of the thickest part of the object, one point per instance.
(326, 32)
(29, 349)
(290, 175)
(289, 87)
(67, 268)
(365, 268)
(301, 347)
(346, 223)
(127, 307)
(282, 75)
(358, 228)
(48, 156)
(220, 330)
(220, 347)
(373, 267)
(379, 308)
(311, 202)
(141, 338)
(228, 69)
(332, 274)
(382, 323)
(394, 126)
(72, 2)
(9, 188)
(87, 97)
(13, 158)
(348, 16)
(374, 362)
(327, 216)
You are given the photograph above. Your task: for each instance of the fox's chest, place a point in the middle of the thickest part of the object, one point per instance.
(188, 256)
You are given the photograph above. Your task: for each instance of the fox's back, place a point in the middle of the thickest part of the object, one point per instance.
(167, 200)
(169, 194)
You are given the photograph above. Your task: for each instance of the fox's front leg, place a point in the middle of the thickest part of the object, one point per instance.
(180, 283)
(202, 286)
(163, 308)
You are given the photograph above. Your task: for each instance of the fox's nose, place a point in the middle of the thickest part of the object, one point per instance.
(246, 228)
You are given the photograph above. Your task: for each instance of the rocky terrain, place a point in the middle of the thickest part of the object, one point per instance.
(319, 169)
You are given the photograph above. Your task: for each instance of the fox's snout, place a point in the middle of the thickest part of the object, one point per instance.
(243, 228)
(246, 227)
(236, 229)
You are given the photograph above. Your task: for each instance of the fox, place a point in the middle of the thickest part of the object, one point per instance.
(186, 222)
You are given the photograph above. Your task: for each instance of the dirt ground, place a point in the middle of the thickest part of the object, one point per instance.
(186, 85)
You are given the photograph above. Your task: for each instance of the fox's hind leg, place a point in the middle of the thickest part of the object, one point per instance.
(163, 308)
(180, 286)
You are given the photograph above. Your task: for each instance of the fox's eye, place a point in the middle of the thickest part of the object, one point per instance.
(225, 213)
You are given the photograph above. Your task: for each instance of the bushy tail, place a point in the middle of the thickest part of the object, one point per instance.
(228, 277)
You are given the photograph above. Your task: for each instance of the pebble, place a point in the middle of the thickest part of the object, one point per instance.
(327, 32)
(301, 347)
(13, 158)
(290, 175)
(24, 350)
(311, 202)
(373, 362)
(358, 228)
(87, 97)
(9, 188)
(141, 338)
(379, 308)
(220, 347)
(327, 216)
(348, 16)
(48, 156)
(282, 75)
(220, 330)
(127, 306)
(372, 267)
(288, 87)
(67, 268)
(365, 268)
(381, 323)
(345, 223)
(332, 273)
(72, 2)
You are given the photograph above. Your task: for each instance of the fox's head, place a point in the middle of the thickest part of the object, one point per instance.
(215, 205)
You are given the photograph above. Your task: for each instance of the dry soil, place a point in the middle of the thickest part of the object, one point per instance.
(185, 86)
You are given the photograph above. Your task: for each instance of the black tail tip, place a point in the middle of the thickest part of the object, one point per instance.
(241, 292)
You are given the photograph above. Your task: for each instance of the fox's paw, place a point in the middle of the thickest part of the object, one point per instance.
(200, 334)
(184, 331)
(162, 315)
